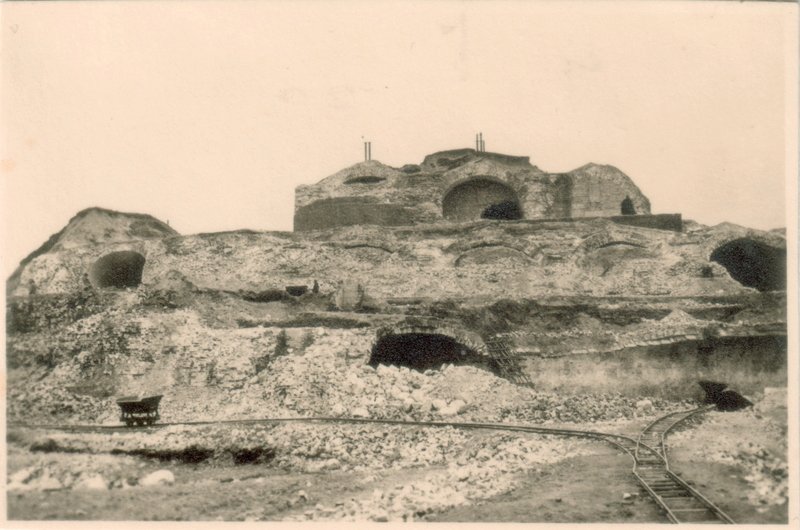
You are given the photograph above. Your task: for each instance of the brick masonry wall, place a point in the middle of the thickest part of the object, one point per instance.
(416, 194)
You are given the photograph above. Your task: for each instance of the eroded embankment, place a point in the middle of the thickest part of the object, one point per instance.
(747, 364)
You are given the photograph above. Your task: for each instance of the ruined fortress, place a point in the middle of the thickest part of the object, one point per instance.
(468, 185)
(456, 209)
(468, 257)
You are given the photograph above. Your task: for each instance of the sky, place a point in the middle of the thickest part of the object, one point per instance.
(209, 114)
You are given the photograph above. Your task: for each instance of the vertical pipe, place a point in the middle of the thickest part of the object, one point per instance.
(365, 150)
(477, 143)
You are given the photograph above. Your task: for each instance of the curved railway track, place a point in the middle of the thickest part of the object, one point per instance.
(680, 502)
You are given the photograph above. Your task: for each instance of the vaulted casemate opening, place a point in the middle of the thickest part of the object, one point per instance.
(753, 264)
(366, 179)
(481, 198)
(118, 269)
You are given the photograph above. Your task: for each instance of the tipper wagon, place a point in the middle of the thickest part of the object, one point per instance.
(136, 411)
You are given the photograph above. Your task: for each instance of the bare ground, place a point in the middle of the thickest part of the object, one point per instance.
(584, 488)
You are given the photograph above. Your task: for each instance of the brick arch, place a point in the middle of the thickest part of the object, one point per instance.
(492, 243)
(468, 198)
(354, 246)
(617, 243)
(719, 240)
(471, 340)
(504, 250)
(753, 263)
(119, 269)
(606, 239)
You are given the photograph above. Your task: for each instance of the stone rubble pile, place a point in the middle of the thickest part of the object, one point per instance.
(210, 374)
(484, 470)
(768, 475)
(760, 456)
(82, 472)
(321, 383)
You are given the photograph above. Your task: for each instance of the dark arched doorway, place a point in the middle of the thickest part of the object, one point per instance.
(421, 351)
(626, 207)
(118, 269)
(481, 198)
(753, 264)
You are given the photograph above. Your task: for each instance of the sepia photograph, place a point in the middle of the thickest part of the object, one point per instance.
(436, 262)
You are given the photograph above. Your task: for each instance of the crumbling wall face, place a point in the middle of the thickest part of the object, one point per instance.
(560, 192)
(365, 179)
(458, 185)
(662, 221)
(446, 160)
(368, 193)
(598, 191)
(372, 179)
(347, 211)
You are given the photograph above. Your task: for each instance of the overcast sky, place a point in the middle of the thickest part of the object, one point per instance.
(209, 114)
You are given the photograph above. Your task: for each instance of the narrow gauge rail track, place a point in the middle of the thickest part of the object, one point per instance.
(681, 502)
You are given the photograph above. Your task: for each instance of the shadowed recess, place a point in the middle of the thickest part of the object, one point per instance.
(725, 399)
(368, 179)
(753, 264)
(626, 207)
(118, 269)
(481, 198)
(421, 351)
(503, 211)
(347, 211)
(621, 244)
(492, 254)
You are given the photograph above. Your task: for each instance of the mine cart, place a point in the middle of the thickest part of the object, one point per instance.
(137, 411)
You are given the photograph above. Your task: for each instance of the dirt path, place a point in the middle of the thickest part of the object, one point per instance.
(577, 490)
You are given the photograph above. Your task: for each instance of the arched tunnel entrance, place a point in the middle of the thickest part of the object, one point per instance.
(422, 351)
(753, 264)
(481, 198)
(627, 207)
(118, 269)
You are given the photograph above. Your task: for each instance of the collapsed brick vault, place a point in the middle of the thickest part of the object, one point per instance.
(422, 346)
(420, 351)
(753, 263)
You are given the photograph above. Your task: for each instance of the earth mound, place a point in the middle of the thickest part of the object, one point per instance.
(97, 226)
